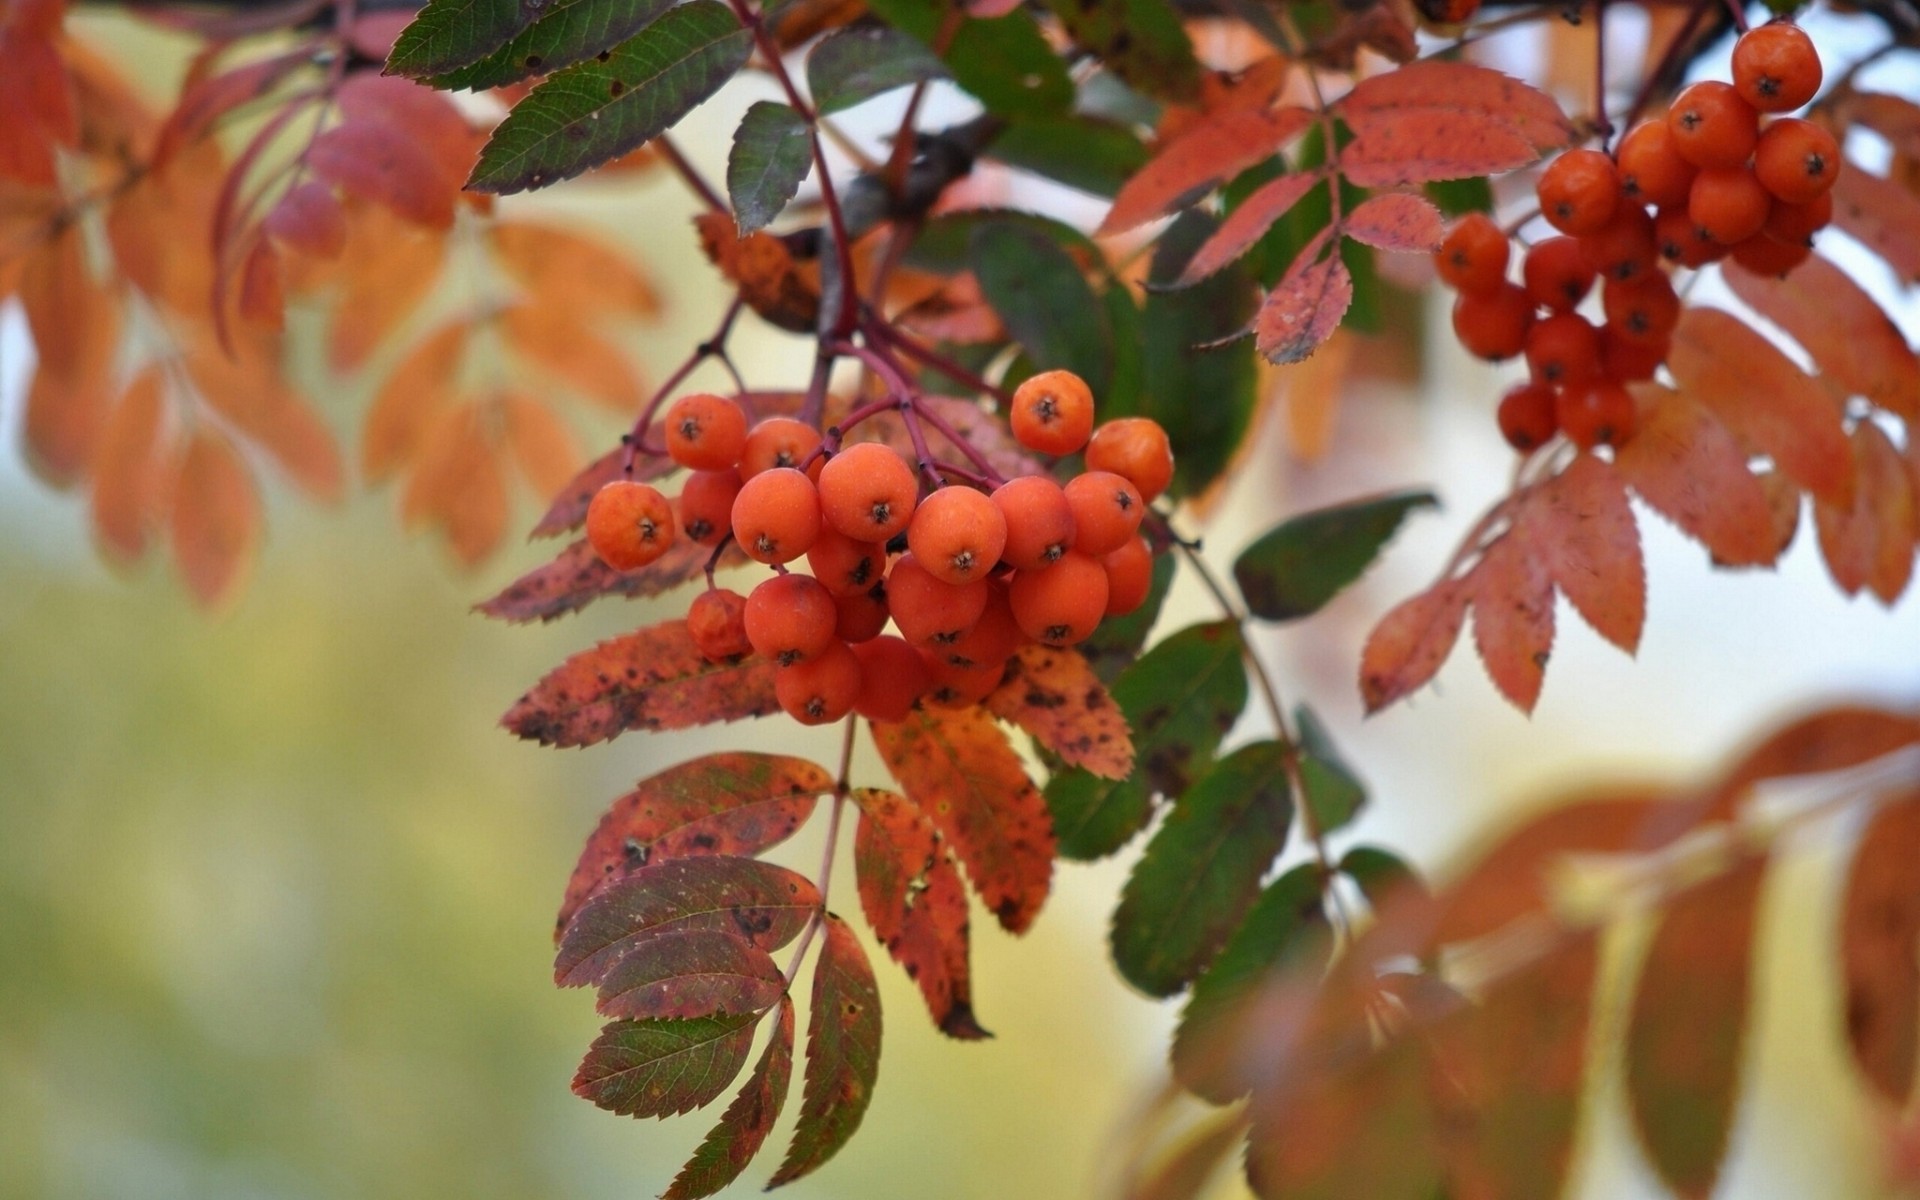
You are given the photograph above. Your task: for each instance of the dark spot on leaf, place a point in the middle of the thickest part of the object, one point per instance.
(604, 55)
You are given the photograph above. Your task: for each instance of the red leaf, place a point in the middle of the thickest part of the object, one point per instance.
(577, 577)
(957, 767)
(127, 469)
(1221, 146)
(1581, 527)
(843, 1053)
(736, 803)
(75, 325)
(1425, 145)
(1408, 645)
(1686, 465)
(1303, 311)
(1870, 543)
(916, 904)
(37, 97)
(1513, 619)
(1055, 696)
(690, 973)
(1880, 950)
(748, 1120)
(765, 904)
(1247, 224)
(1883, 215)
(381, 162)
(1783, 506)
(1462, 89)
(1850, 337)
(308, 219)
(664, 1068)
(216, 518)
(1397, 221)
(653, 678)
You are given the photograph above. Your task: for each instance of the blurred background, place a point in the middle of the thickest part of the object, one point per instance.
(276, 892)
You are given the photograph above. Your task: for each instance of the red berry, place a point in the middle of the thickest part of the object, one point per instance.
(1137, 449)
(1562, 350)
(1493, 326)
(1796, 161)
(1052, 412)
(1797, 223)
(1764, 256)
(1557, 273)
(1473, 258)
(1712, 126)
(957, 534)
(821, 689)
(1643, 310)
(706, 432)
(1061, 604)
(867, 492)
(1129, 576)
(893, 677)
(776, 516)
(1039, 521)
(1728, 204)
(706, 505)
(1624, 247)
(1579, 191)
(1107, 510)
(1651, 167)
(928, 610)
(1600, 413)
(790, 618)
(781, 442)
(1776, 68)
(717, 623)
(1526, 417)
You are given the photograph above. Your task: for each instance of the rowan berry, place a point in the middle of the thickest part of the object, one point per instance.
(1600, 413)
(629, 524)
(862, 615)
(1052, 412)
(1526, 417)
(1776, 67)
(716, 621)
(1557, 273)
(1651, 167)
(993, 638)
(821, 689)
(706, 432)
(1563, 350)
(1135, 448)
(867, 492)
(958, 687)
(1129, 576)
(893, 677)
(1624, 247)
(1624, 360)
(1728, 204)
(1493, 326)
(790, 618)
(780, 442)
(1579, 191)
(1107, 510)
(1797, 161)
(931, 611)
(843, 566)
(1712, 126)
(1473, 258)
(1798, 223)
(1643, 310)
(1680, 240)
(1061, 604)
(1764, 256)
(957, 534)
(706, 505)
(1039, 521)
(776, 516)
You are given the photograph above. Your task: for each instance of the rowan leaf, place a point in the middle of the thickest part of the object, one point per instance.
(559, 341)
(1381, 875)
(1004, 61)
(1179, 699)
(762, 903)
(1211, 152)
(1829, 739)
(1883, 215)
(380, 161)
(958, 768)
(577, 577)
(744, 1127)
(857, 63)
(1294, 569)
(690, 973)
(736, 803)
(1880, 950)
(912, 896)
(1870, 543)
(563, 268)
(565, 32)
(452, 33)
(1141, 41)
(308, 218)
(1055, 696)
(1685, 464)
(1330, 792)
(1687, 1031)
(1458, 89)
(216, 518)
(1202, 869)
(420, 386)
(1303, 310)
(1850, 337)
(1431, 145)
(129, 468)
(1580, 525)
(1400, 221)
(582, 116)
(1044, 298)
(772, 152)
(653, 678)
(541, 444)
(664, 1068)
(1410, 643)
(843, 1053)
(1247, 223)
(1093, 155)
(1894, 118)
(1513, 619)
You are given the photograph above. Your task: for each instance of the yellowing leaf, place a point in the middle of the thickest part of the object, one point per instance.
(128, 477)
(1880, 950)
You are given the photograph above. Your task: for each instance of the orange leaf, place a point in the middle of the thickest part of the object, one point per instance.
(158, 231)
(1462, 89)
(1581, 527)
(1408, 645)
(458, 485)
(761, 266)
(1764, 398)
(1303, 311)
(63, 420)
(1248, 223)
(1055, 696)
(127, 469)
(958, 768)
(387, 269)
(293, 433)
(1880, 950)
(1850, 337)
(916, 904)
(543, 446)
(560, 342)
(565, 269)
(1513, 620)
(1832, 739)
(422, 383)
(1397, 221)
(1881, 214)
(1687, 466)
(263, 298)
(1400, 147)
(381, 162)
(74, 321)
(1216, 149)
(1870, 544)
(1783, 506)
(37, 97)
(216, 518)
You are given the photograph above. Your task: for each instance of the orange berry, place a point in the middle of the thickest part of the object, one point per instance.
(1061, 604)
(893, 677)
(1526, 417)
(931, 611)
(1129, 576)
(790, 618)
(1557, 273)
(1052, 412)
(1600, 413)
(1776, 68)
(1562, 350)
(1107, 510)
(1651, 167)
(821, 689)
(1643, 310)
(1624, 360)
(1137, 449)
(1493, 326)
(1680, 240)
(1712, 126)
(780, 442)
(629, 524)
(1764, 256)
(867, 492)
(717, 622)
(1797, 161)
(1728, 204)
(957, 534)
(1039, 521)
(1797, 223)
(776, 516)
(706, 432)
(958, 687)
(1579, 191)
(862, 615)
(1624, 247)
(843, 566)
(1473, 258)
(993, 638)
(706, 505)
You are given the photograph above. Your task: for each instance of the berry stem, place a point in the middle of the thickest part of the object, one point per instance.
(824, 881)
(1602, 127)
(690, 175)
(898, 339)
(1668, 59)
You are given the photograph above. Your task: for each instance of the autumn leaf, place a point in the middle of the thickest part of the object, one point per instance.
(1399, 221)
(651, 679)
(1221, 146)
(1581, 527)
(216, 518)
(1880, 950)
(664, 1068)
(571, 271)
(1882, 215)
(1303, 310)
(1411, 642)
(1685, 464)
(458, 485)
(420, 385)
(1247, 224)
(686, 973)
(1850, 337)
(129, 468)
(577, 576)
(1513, 620)
(557, 340)
(1055, 696)
(1870, 544)
(764, 270)
(744, 1127)
(843, 1053)
(1829, 739)
(1425, 146)
(1459, 89)
(912, 896)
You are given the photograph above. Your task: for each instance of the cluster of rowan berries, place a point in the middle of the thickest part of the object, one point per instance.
(1705, 182)
(967, 576)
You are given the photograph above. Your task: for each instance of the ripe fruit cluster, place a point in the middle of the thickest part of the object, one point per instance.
(966, 576)
(1705, 182)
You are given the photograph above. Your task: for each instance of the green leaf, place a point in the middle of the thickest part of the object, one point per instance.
(843, 1053)
(1285, 932)
(453, 33)
(1181, 697)
(597, 110)
(856, 64)
(1334, 794)
(1005, 63)
(1116, 643)
(1045, 300)
(1295, 568)
(1458, 197)
(569, 31)
(945, 242)
(1202, 869)
(772, 151)
(1082, 152)
(1379, 874)
(664, 1068)
(743, 1128)
(1141, 41)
